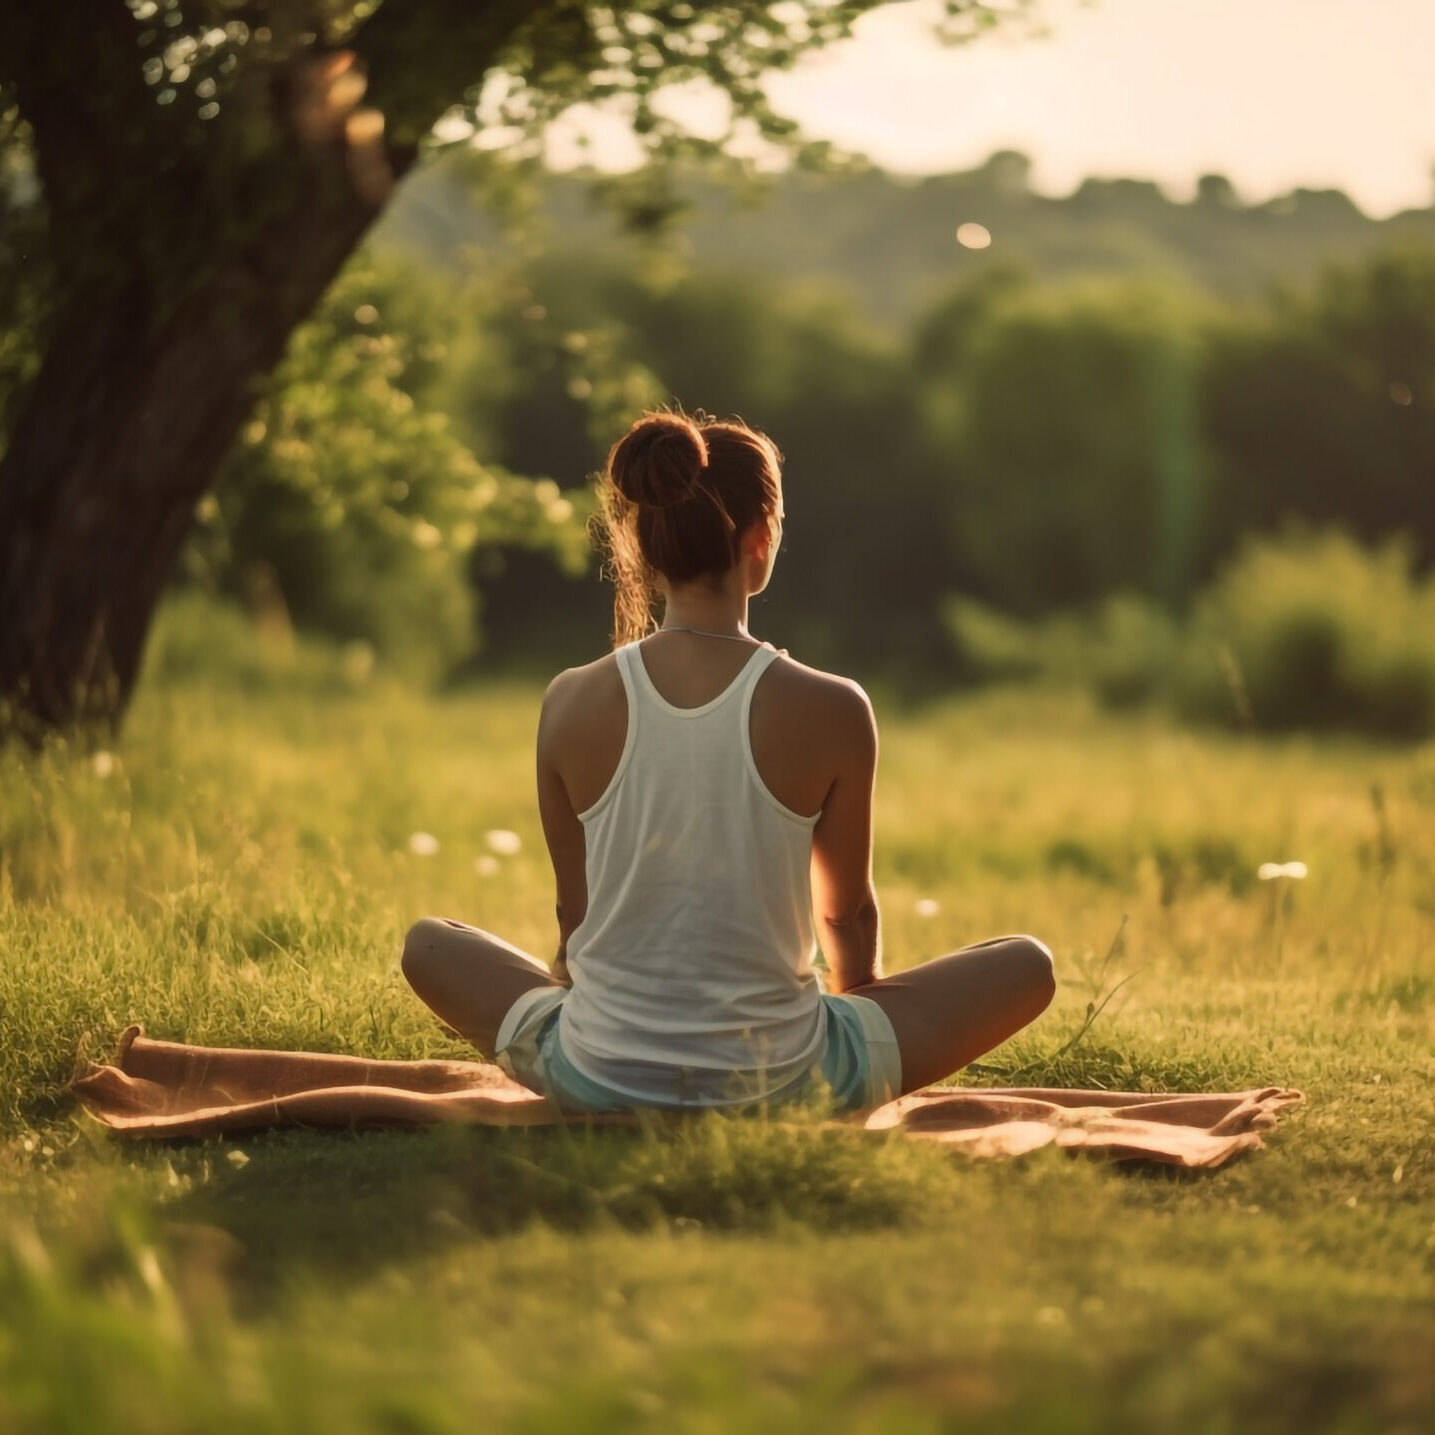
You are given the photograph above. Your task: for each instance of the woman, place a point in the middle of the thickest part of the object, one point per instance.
(707, 803)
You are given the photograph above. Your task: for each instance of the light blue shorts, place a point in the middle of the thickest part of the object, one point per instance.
(858, 1068)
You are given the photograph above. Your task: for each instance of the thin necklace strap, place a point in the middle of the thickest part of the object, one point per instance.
(702, 633)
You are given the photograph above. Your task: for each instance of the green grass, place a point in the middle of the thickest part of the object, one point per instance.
(242, 875)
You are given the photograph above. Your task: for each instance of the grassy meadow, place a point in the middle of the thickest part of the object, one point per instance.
(239, 871)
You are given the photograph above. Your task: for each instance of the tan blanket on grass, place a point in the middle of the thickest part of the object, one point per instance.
(162, 1088)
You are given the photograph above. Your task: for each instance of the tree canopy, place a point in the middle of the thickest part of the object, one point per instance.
(159, 135)
(187, 177)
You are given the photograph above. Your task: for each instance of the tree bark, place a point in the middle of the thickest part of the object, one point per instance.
(121, 435)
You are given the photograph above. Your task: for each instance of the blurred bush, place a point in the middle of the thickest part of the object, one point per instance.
(993, 647)
(1312, 631)
(1307, 631)
(1125, 650)
(200, 638)
(350, 507)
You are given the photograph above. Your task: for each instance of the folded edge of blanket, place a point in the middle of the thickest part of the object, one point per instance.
(1190, 1130)
(159, 1088)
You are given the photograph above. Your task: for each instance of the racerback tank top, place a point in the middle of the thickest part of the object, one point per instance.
(692, 971)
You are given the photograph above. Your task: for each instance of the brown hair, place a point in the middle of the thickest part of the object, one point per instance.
(675, 499)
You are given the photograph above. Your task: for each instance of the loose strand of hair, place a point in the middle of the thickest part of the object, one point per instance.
(634, 592)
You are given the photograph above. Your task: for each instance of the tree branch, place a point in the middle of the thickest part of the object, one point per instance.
(423, 56)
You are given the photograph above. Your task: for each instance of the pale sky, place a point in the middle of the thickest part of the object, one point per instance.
(1271, 93)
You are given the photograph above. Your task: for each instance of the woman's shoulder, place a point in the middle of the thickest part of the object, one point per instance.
(817, 696)
(582, 692)
(808, 727)
(587, 675)
(817, 685)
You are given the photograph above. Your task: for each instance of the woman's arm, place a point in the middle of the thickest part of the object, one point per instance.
(844, 902)
(561, 828)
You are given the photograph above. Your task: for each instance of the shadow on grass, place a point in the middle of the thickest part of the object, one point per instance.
(338, 1206)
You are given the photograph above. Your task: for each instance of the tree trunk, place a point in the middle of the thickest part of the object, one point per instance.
(230, 235)
(122, 433)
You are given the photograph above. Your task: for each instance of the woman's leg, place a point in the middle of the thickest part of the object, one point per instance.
(949, 1011)
(470, 978)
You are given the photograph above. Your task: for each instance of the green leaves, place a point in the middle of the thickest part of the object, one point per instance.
(350, 502)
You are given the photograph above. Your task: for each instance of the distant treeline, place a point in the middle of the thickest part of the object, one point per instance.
(889, 245)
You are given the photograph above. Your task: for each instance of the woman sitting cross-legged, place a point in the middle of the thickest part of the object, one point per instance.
(707, 803)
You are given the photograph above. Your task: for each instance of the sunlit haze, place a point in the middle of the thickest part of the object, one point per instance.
(1272, 93)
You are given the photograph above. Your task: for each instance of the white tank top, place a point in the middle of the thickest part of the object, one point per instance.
(692, 970)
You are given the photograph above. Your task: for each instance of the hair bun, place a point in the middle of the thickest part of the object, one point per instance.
(660, 460)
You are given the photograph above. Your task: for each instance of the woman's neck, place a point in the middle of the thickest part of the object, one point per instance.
(706, 609)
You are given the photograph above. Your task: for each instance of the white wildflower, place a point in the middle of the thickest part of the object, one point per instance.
(1270, 871)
